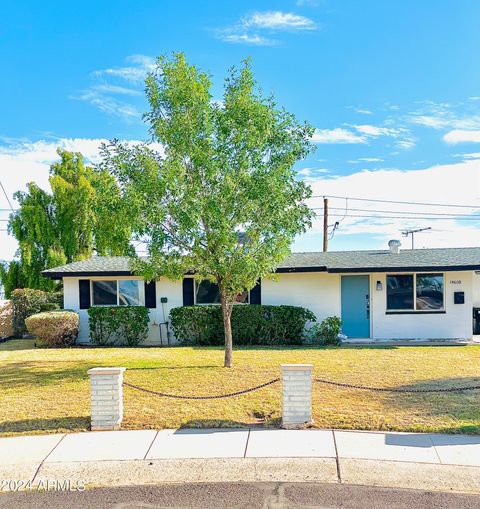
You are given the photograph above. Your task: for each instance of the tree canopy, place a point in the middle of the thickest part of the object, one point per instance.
(221, 199)
(62, 226)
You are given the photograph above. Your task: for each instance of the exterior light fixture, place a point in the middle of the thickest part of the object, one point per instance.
(379, 286)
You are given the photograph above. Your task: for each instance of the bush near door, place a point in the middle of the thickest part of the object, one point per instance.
(251, 324)
(327, 332)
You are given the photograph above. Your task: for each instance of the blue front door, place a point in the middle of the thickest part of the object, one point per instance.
(356, 306)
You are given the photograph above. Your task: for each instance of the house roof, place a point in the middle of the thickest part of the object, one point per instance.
(447, 259)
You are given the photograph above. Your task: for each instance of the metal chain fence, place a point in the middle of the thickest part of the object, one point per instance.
(216, 396)
(319, 380)
(392, 389)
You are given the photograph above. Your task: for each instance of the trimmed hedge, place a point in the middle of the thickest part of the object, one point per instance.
(27, 302)
(54, 328)
(118, 324)
(251, 324)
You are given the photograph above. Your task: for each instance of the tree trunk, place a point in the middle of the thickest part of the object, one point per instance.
(227, 327)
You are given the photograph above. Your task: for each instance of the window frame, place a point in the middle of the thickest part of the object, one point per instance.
(414, 310)
(196, 282)
(117, 281)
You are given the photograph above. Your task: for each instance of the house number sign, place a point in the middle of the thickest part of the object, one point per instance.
(455, 281)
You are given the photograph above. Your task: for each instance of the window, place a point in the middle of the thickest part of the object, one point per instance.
(207, 292)
(429, 291)
(400, 292)
(129, 293)
(415, 292)
(124, 292)
(104, 293)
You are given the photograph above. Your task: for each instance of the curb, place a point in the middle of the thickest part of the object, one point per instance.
(388, 474)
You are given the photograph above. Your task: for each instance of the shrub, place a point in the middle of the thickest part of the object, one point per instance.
(27, 302)
(48, 306)
(251, 324)
(54, 328)
(118, 324)
(6, 319)
(326, 332)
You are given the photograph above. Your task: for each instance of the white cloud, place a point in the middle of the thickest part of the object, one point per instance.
(372, 130)
(402, 136)
(366, 160)
(115, 89)
(452, 183)
(251, 29)
(445, 116)
(338, 135)
(277, 20)
(362, 111)
(109, 105)
(104, 95)
(471, 155)
(310, 172)
(253, 39)
(462, 136)
(135, 73)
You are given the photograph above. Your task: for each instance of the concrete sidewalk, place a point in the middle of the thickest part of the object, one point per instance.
(119, 458)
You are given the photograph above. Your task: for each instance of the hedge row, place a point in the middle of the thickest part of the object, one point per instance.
(126, 325)
(251, 325)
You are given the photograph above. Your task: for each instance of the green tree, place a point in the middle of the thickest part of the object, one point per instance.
(222, 198)
(62, 226)
(10, 277)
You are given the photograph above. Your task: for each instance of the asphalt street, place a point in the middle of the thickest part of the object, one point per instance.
(240, 495)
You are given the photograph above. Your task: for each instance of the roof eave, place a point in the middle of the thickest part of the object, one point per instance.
(60, 275)
(413, 268)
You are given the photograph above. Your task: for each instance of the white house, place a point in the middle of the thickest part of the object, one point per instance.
(391, 294)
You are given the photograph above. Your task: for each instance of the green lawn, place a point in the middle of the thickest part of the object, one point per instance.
(46, 390)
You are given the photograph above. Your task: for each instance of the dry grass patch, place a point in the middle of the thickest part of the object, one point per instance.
(46, 390)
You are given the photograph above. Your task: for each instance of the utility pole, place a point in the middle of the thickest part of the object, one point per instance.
(325, 225)
(406, 233)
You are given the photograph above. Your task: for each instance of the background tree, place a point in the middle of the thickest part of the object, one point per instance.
(223, 199)
(62, 226)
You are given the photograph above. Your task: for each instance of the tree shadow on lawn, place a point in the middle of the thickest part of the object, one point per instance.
(343, 346)
(213, 366)
(456, 406)
(53, 424)
(34, 373)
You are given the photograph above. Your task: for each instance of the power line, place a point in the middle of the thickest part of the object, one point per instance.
(428, 218)
(6, 196)
(429, 204)
(403, 212)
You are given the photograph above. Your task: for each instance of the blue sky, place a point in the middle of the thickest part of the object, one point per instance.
(393, 89)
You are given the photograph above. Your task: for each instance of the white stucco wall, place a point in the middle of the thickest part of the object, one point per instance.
(476, 290)
(320, 292)
(455, 323)
(317, 291)
(164, 288)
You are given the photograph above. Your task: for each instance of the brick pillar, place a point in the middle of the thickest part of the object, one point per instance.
(106, 395)
(296, 395)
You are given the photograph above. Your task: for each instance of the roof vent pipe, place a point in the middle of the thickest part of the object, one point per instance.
(394, 246)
